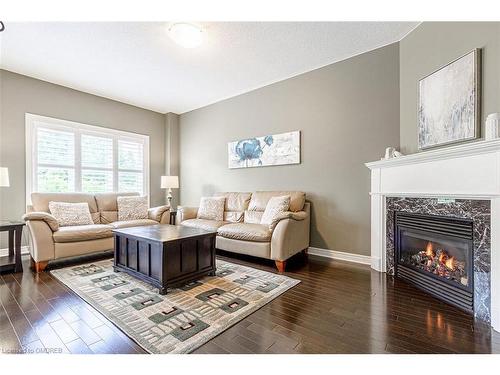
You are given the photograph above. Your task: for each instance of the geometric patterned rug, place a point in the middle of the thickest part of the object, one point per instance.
(186, 317)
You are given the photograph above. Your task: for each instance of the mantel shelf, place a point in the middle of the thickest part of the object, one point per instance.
(414, 194)
(472, 148)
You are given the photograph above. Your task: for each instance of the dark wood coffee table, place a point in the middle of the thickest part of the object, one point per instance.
(165, 255)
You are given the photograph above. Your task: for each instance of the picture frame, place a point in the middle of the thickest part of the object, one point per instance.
(264, 151)
(449, 103)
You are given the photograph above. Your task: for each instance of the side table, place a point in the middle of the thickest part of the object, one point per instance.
(12, 261)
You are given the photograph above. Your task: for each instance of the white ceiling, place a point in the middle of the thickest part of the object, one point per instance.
(137, 63)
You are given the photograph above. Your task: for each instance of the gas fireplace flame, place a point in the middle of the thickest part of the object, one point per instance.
(439, 259)
(450, 263)
(442, 257)
(429, 251)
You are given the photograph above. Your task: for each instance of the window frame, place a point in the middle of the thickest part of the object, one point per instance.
(78, 129)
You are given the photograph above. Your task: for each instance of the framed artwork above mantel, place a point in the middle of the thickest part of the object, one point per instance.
(449, 105)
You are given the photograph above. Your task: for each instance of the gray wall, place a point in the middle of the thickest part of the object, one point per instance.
(172, 162)
(348, 113)
(434, 44)
(21, 94)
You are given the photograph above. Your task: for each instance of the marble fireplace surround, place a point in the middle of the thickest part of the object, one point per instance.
(468, 173)
(476, 210)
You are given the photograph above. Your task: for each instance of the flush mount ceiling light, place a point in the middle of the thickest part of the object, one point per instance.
(186, 35)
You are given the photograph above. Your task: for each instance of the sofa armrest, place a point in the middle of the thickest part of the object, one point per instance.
(42, 243)
(291, 234)
(160, 214)
(185, 213)
(42, 216)
(297, 216)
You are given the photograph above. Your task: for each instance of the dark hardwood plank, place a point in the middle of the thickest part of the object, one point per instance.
(78, 347)
(46, 333)
(210, 348)
(64, 331)
(35, 347)
(87, 334)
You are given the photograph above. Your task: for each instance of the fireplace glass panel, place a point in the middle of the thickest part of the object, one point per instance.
(444, 257)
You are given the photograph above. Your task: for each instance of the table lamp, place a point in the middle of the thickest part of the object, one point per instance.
(169, 182)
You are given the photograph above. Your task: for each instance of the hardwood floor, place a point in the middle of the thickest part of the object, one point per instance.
(337, 308)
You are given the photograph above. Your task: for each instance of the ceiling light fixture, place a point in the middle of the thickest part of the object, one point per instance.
(186, 35)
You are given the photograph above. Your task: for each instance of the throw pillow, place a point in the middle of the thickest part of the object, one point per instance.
(275, 207)
(211, 208)
(68, 214)
(132, 208)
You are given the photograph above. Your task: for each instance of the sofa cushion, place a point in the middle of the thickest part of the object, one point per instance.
(210, 225)
(275, 207)
(68, 214)
(246, 232)
(108, 217)
(211, 208)
(233, 216)
(235, 201)
(253, 217)
(40, 202)
(235, 205)
(107, 201)
(83, 233)
(132, 208)
(132, 223)
(260, 198)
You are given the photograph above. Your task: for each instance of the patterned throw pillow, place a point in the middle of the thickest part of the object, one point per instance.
(68, 214)
(132, 208)
(275, 207)
(211, 208)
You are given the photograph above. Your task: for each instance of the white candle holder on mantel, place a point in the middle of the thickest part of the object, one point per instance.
(492, 127)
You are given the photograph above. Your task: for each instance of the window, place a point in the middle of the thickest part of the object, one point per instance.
(64, 156)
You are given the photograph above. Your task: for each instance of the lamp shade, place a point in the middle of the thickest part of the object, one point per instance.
(169, 182)
(4, 177)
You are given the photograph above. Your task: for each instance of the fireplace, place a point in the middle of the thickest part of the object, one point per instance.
(435, 253)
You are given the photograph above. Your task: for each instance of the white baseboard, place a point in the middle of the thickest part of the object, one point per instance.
(24, 250)
(340, 255)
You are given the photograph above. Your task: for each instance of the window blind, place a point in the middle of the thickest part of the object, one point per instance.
(64, 156)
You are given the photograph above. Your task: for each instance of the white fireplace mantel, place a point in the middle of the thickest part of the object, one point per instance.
(467, 171)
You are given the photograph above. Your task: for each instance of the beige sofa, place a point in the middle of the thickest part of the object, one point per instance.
(241, 231)
(49, 241)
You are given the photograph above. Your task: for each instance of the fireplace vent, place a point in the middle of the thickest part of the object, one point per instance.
(436, 224)
(435, 253)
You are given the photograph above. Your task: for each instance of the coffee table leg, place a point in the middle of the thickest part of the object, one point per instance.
(162, 291)
(17, 249)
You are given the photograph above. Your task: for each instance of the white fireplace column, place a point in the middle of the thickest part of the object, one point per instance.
(495, 264)
(466, 171)
(378, 224)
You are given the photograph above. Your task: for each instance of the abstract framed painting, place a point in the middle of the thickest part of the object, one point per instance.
(449, 103)
(277, 149)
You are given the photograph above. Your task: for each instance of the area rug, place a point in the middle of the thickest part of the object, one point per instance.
(185, 318)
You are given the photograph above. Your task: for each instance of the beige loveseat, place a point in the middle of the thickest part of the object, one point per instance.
(49, 241)
(241, 231)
